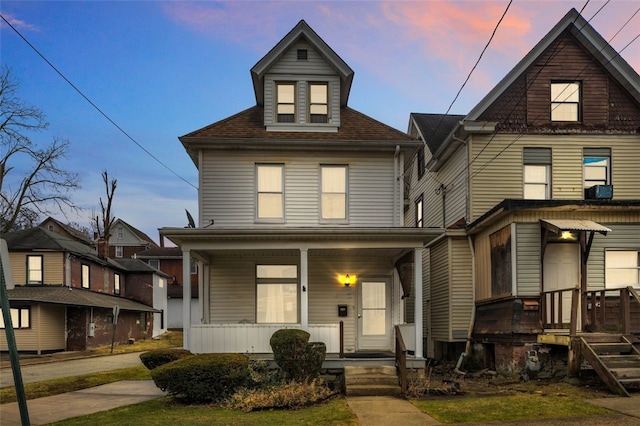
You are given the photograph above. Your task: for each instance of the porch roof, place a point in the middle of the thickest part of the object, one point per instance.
(312, 237)
(559, 225)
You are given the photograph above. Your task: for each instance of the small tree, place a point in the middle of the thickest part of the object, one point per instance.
(41, 186)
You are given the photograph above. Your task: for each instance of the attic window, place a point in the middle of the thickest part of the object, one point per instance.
(565, 101)
(302, 54)
(286, 99)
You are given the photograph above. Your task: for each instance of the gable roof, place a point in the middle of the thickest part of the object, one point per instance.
(62, 295)
(139, 266)
(246, 130)
(135, 231)
(590, 39)
(301, 30)
(74, 233)
(434, 128)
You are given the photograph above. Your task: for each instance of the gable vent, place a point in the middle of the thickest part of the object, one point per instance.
(302, 54)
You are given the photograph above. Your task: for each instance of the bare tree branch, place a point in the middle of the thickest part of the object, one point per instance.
(103, 225)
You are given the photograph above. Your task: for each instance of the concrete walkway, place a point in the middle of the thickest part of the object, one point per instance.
(388, 411)
(79, 403)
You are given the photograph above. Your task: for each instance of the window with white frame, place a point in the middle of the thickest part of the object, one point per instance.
(276, 294)
(20, 317)
(318, 103)
(333, 190)
(285, 102)
(536, 173)
(116, 283)
(34, 270)
(119, 251)
(565, 101)
(270, 193)
(419, 212)
(120, 232)
(622, 268)
(86, 276)
(597, 167)
(193, 267)
(154, 263)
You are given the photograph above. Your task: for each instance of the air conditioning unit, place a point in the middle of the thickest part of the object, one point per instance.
(599, 192)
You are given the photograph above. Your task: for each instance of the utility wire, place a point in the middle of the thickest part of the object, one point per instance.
(95, 106)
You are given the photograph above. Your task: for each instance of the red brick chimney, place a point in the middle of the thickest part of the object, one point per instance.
(103, 247)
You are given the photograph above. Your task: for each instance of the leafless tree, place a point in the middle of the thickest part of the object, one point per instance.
(103, 224)
(31, 180)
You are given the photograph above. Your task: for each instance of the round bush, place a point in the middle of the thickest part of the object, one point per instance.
(288, 347)
(203, 378)
(158, 357)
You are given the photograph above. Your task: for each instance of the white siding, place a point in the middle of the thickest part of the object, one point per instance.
(440, 291)
(228, 195)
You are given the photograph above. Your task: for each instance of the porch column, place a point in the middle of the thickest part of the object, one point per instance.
(304, 286)
(186, 298)
(417, 316)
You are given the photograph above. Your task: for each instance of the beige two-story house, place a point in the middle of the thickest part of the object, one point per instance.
(538, 189)
(301, 215)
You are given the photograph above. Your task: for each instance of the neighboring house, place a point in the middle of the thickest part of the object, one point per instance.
(538, 189)
(125, 240)
(54, 225)
(301, 215)
(169, 261)
(65, 294)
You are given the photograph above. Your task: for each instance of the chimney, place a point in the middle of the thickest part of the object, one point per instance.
(103, 247)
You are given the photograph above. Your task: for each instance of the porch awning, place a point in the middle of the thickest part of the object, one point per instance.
(559, 225)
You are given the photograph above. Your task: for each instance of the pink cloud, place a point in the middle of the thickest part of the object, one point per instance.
(17, 23)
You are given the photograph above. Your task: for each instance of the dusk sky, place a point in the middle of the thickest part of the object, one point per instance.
(161, 69)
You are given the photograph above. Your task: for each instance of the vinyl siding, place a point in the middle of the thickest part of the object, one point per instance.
(461, 288)
(527, 240)
(623, 236)
(52, 265)
(440, 292)
(493, 165)
(483, 266)
(228, 195)
(47, 330)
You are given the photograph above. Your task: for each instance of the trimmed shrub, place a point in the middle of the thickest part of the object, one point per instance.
(203, 378)
(158, 357)
(288, 346)
(300, 360)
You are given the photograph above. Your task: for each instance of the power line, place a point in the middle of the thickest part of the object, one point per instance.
(95, 106)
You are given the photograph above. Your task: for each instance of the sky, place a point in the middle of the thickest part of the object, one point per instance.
(161, 69)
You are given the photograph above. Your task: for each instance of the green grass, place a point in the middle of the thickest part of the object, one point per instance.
(171, 339)
(164, 411)
(70, 384)
(506, 408)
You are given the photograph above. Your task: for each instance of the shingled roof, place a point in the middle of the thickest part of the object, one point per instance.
(435, 128)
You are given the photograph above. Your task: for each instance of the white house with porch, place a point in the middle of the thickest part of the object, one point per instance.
(300, 221)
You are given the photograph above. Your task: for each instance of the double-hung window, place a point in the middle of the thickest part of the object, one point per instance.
(20, 317)
(565, 101)
(270, 192)
(597, 167)
(34, 270)
(419, 213)
(536, 173)
(622, 268)
(118, 251)
(318, 103)
(116, 283)
(86, 276)
(333, 192)
(285, 102)
(276, 294)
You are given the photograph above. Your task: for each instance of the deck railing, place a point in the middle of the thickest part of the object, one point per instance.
(605, 310)
(401, 360)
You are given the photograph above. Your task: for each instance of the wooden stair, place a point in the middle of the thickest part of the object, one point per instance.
(380, 380)
(614, 358)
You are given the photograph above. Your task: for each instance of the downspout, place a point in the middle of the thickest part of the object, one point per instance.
(396, 183)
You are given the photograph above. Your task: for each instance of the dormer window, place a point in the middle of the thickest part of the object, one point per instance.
(286, 98)
(318, 103)
(565, 101)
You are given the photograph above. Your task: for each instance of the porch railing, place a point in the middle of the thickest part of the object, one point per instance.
(254, 338)
(605, 310)
(401, 360)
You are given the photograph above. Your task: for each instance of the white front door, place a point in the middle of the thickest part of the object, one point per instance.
(561, 271)
(374, 315)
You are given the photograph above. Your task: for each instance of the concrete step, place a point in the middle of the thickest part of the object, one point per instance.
(373, 390)
(355, 370)
(371, 379)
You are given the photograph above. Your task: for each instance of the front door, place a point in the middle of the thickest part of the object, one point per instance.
(374, 316)
(561, 272)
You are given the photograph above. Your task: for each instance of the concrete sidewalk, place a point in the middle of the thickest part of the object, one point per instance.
(79, 403)
(388, 411)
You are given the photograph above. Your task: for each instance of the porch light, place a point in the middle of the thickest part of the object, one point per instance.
(347, 280)
(567, 235)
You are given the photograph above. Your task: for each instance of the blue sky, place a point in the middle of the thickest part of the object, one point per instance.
(161, 69)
